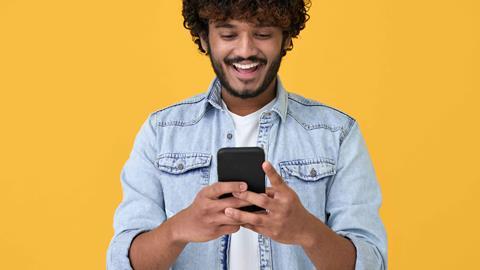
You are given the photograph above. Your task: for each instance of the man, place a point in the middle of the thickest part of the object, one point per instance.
(322, 198)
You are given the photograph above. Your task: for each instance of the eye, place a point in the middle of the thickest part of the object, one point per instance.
(228, 36)
(263, 35)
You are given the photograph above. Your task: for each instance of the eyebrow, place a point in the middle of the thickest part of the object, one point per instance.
(224, 25)
(263, 25)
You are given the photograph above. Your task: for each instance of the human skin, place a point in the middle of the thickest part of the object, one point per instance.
(202, 221)
(208, 218)
(288, 222)
(232, 40)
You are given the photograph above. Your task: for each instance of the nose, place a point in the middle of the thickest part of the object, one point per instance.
(246, 46)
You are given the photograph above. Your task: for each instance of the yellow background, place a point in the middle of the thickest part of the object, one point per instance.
(77, 79)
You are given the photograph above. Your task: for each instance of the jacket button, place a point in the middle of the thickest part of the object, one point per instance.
(313, 173)
(229, 136)
(180, 166)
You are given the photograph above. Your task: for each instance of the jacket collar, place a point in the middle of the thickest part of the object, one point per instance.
(214, 97)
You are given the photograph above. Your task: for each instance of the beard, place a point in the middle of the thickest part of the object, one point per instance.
(247, 93)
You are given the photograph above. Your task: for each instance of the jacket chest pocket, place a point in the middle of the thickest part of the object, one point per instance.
(307, 171)
(186, 164)
(308, 178)
(182, 176)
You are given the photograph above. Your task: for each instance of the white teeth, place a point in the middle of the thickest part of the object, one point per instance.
(246, 66)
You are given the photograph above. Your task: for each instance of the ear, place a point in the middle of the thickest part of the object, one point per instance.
(203, 42)
(287, 42)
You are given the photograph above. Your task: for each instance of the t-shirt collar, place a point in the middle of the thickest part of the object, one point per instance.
(280, 104)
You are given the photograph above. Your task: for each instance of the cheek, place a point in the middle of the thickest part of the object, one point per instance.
(271, 51)
(220, 58)
(219, 50)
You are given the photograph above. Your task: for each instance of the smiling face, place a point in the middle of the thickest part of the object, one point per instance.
(245, 56)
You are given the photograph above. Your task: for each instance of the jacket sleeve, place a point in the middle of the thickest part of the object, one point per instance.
(353, 202)
(142, 207)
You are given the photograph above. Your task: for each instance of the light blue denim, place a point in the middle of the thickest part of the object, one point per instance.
(318, 150)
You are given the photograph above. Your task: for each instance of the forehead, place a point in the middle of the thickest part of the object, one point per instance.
(234, 24)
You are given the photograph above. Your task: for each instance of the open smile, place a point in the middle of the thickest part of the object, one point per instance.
(246, 71)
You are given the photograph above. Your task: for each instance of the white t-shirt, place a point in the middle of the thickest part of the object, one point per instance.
(244, 251)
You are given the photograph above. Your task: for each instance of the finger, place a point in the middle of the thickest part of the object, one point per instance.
(274, 178)
(245, 217)
(215, 190)
(231, 202)
(270, 192)
(257, 199)
(221, 219)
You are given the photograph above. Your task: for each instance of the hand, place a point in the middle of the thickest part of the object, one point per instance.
(285, 218)
(204, 219)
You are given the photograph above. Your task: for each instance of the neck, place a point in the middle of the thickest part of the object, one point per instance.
(245, 106)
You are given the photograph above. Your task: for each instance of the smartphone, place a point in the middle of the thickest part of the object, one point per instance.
(242, 164)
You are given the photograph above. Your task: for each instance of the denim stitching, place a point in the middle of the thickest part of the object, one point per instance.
(204, 161)
(190, 101)
(308, 161)
(346, 131)
(183, 123)
(309, 178)
(184, 155)
(286, 171)
(313, 104)
(314, 126)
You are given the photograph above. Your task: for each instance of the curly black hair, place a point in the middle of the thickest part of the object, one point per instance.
(290, 15)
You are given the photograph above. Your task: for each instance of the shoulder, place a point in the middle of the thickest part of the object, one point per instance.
(185, 112)
(312, 114)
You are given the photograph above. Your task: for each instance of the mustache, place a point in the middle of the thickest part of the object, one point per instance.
(238, 59)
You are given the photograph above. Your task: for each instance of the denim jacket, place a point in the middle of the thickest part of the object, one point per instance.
(318, 150)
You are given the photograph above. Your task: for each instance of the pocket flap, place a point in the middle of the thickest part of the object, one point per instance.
(178, 163)
(308, 170)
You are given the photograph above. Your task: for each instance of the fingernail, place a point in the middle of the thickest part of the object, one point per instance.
(236, 194)
(243, 187)
(265, 165)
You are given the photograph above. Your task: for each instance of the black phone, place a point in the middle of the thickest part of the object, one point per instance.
(242, 164)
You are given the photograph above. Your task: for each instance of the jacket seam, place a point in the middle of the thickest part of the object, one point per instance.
(183, 123)
(318, 105)
(186, 102)
(347, 131)
(184, 155)
(315, 126)
(157, 150)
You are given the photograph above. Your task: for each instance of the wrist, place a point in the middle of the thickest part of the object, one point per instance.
(172, 232)
(312, 233)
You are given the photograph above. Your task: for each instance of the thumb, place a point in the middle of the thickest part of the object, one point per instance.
(274, 178)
